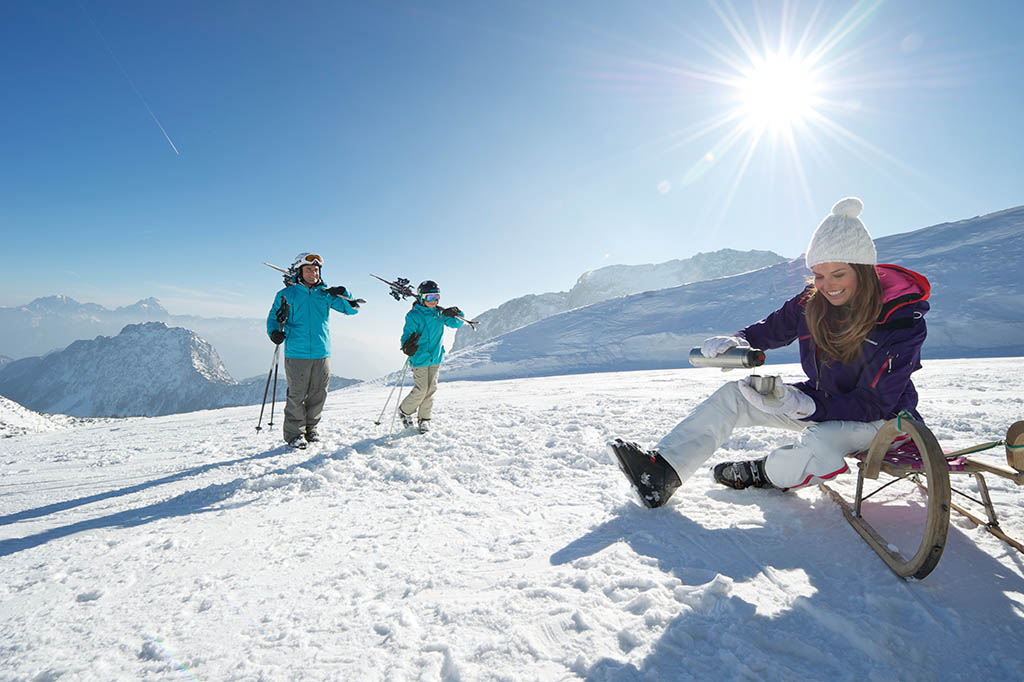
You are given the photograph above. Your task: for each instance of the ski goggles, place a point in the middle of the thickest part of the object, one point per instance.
(427, 298)
(313, 259)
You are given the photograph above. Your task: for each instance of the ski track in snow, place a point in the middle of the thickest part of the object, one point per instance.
(503, 545)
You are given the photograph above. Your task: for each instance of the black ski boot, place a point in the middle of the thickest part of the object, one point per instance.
(407, 419)
(652, 477)
(742, 475)
(312, 436)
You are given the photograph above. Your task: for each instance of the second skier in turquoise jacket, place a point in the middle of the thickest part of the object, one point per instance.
(421, 341)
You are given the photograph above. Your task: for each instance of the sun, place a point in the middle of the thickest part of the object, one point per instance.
(776, 93)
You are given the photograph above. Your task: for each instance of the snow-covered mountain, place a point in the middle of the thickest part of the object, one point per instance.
(976, 268)
(51, 323)
(148, 369)
(611, 282)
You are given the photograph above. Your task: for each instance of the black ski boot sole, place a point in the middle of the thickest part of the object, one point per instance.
(623, 453)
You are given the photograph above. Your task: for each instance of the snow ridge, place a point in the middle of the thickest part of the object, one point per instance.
(608, 282)
(976, 268)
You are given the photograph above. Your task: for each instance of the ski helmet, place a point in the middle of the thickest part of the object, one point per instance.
(306, 258)
(428, 286)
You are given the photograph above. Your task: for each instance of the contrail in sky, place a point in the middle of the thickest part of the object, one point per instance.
(128, 78)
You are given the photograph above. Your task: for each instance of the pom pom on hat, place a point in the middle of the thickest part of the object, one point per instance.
(842, 237)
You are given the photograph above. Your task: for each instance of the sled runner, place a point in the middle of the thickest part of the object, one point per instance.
(906, 450)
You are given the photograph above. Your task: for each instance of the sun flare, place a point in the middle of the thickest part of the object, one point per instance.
(777, 93)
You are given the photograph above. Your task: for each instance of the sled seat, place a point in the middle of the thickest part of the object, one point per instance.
(903, 456)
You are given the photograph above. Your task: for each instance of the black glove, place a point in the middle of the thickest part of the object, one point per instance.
(356, 302)
(451, 312)
(282, 312)
(338, 291)
(277, 336)
(411, 344)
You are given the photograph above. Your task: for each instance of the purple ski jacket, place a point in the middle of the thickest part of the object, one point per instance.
(877, 386)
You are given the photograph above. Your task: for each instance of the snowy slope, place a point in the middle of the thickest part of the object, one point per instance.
(611, 281)
(502, 546)
(976, 268)
(16, 420)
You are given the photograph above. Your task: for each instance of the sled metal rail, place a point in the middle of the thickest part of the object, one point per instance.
(926, 460)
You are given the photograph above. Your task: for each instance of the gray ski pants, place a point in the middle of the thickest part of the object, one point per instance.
(307, 391)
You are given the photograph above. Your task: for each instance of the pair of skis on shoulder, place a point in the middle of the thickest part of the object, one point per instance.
(400, 289)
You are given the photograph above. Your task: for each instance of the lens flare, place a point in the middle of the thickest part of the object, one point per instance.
(777, 93)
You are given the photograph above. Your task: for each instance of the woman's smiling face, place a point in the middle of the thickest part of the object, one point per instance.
(837, 282)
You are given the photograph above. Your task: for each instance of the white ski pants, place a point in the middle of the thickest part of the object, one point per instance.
(816, 455)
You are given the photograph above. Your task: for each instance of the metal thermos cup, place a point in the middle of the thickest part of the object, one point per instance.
(734, 357)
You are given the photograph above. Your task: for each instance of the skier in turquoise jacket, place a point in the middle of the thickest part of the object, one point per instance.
(421, 341)
(299, 319)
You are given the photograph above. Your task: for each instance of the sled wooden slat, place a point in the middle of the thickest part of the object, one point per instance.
(973, 465)
(922, 457)
(892, 558)
(933, 468)
(993, 529)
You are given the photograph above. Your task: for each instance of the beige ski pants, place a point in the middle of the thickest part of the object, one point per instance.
(421, 398)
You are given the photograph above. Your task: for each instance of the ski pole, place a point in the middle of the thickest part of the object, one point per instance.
(384, 409)
(273, 397)
(263, 405)
(398, 402)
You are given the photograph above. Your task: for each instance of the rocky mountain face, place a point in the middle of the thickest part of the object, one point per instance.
(148, 369)
(51, 323)
(610, 282)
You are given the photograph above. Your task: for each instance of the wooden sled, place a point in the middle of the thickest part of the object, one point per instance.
(905, 448)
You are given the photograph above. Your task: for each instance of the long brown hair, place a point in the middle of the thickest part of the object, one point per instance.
(839, 331)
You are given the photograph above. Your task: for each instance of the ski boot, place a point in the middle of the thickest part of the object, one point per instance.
(297, 443)
(312, 436)
(651, 476)
(407, 420)
(740, 475)
(424, 425)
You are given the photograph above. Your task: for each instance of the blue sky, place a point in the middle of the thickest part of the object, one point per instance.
(168, 149)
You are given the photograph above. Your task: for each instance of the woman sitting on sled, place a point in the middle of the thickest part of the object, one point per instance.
(860, 327)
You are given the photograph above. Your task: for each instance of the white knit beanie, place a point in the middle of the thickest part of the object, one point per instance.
(842, 237)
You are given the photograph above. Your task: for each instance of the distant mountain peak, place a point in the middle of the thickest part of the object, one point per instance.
(613, 281)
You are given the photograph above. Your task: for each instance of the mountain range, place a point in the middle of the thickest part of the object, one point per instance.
(51, 323)
(609, 282)
(976, 268)
(148, 369)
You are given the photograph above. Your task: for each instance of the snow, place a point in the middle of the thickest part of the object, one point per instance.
(503, 545)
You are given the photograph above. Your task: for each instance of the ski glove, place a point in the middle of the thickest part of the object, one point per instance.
(355, 302)
(338, 291)
(411, 344)
(717, 345)
(282, 312)
(451, 312)
(277, 336)
(784, 399)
